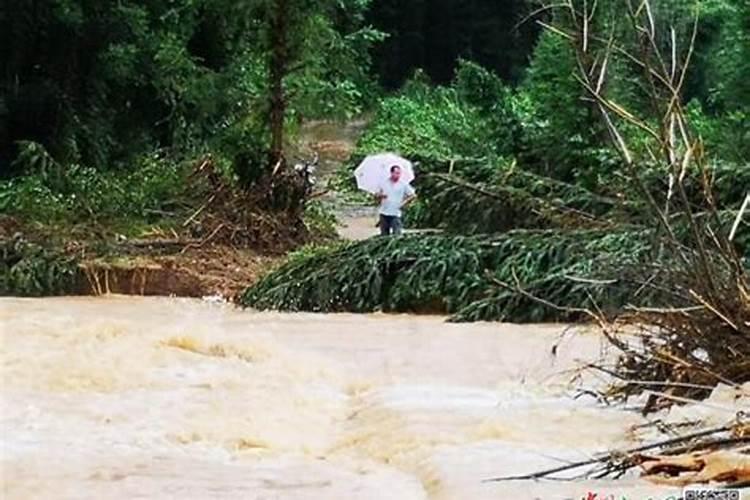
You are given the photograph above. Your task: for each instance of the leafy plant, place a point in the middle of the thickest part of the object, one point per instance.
(86, 194)
(30, 270)
(320, 220)
(441, 123)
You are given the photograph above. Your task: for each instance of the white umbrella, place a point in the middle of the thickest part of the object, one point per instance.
(375, 169)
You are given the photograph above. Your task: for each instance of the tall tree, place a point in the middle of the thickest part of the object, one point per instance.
(280, 17)
(311, 38)
(99, 81)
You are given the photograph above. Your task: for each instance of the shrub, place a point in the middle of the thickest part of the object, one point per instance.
(30, 270)
(465, 120)
(77, 193)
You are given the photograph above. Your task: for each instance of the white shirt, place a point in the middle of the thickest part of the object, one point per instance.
(395, 194)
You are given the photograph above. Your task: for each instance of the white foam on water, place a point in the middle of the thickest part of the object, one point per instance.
(170, 398)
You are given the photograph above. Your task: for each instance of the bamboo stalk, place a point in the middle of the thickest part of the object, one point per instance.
(740, 215)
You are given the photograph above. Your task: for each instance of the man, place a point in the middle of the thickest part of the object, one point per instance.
(393, 196)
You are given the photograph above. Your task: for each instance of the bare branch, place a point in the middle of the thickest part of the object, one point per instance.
(541, 10)
(740, 215)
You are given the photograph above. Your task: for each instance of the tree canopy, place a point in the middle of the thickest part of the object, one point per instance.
(101, 82)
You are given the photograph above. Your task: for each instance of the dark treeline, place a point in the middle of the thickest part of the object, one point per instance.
(433, 34)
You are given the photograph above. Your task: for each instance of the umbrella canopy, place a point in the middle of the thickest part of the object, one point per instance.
(375, 169)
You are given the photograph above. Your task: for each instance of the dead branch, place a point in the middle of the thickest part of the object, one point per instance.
(200, 209)
(625, 455)
(740, 215)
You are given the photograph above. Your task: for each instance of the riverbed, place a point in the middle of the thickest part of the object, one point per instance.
(116, 397)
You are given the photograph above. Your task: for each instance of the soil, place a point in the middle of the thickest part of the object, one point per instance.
(335, 143)
(217, 270)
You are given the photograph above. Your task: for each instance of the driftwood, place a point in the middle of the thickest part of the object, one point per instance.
(629, 455)
(207, 239)
(723, 466)
(200, 209)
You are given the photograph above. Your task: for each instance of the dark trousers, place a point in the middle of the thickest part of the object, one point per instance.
(390, 224)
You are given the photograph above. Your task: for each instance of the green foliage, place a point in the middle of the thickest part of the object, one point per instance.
(575, 270)
(480, 87)
(560, 136)
(718, 86)
(334, 80)
(513, 199)
(357, 276)
(458, 275)
(320, 220)
(730, 183)
(33, 157)
(77, 193)
(469, 126)
(436, 124)
(245, 145)
(728, 56)
(29, 270)
(102, 83)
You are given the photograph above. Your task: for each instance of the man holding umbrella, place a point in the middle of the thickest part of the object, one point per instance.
(387, 176)
(393, 195)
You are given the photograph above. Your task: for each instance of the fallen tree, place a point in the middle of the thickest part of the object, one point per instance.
(516, 198)
(520, 200)
(459, 275)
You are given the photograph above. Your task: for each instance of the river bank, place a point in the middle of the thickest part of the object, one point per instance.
(217, 244)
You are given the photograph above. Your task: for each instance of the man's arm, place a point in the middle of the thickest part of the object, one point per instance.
(411, 195)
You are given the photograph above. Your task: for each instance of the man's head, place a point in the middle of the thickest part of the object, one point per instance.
(395, 173)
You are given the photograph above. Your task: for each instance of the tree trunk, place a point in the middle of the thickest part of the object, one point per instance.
(278, 70)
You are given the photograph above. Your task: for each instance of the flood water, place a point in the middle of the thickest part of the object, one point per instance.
(165, 398)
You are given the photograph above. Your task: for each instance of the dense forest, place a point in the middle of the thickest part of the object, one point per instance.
(101, 84)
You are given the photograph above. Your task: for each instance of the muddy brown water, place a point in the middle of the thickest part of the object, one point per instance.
(115, 397)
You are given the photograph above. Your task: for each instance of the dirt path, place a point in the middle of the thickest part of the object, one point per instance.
(335, 143)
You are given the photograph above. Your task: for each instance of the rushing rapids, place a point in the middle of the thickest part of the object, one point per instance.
(164, 398)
